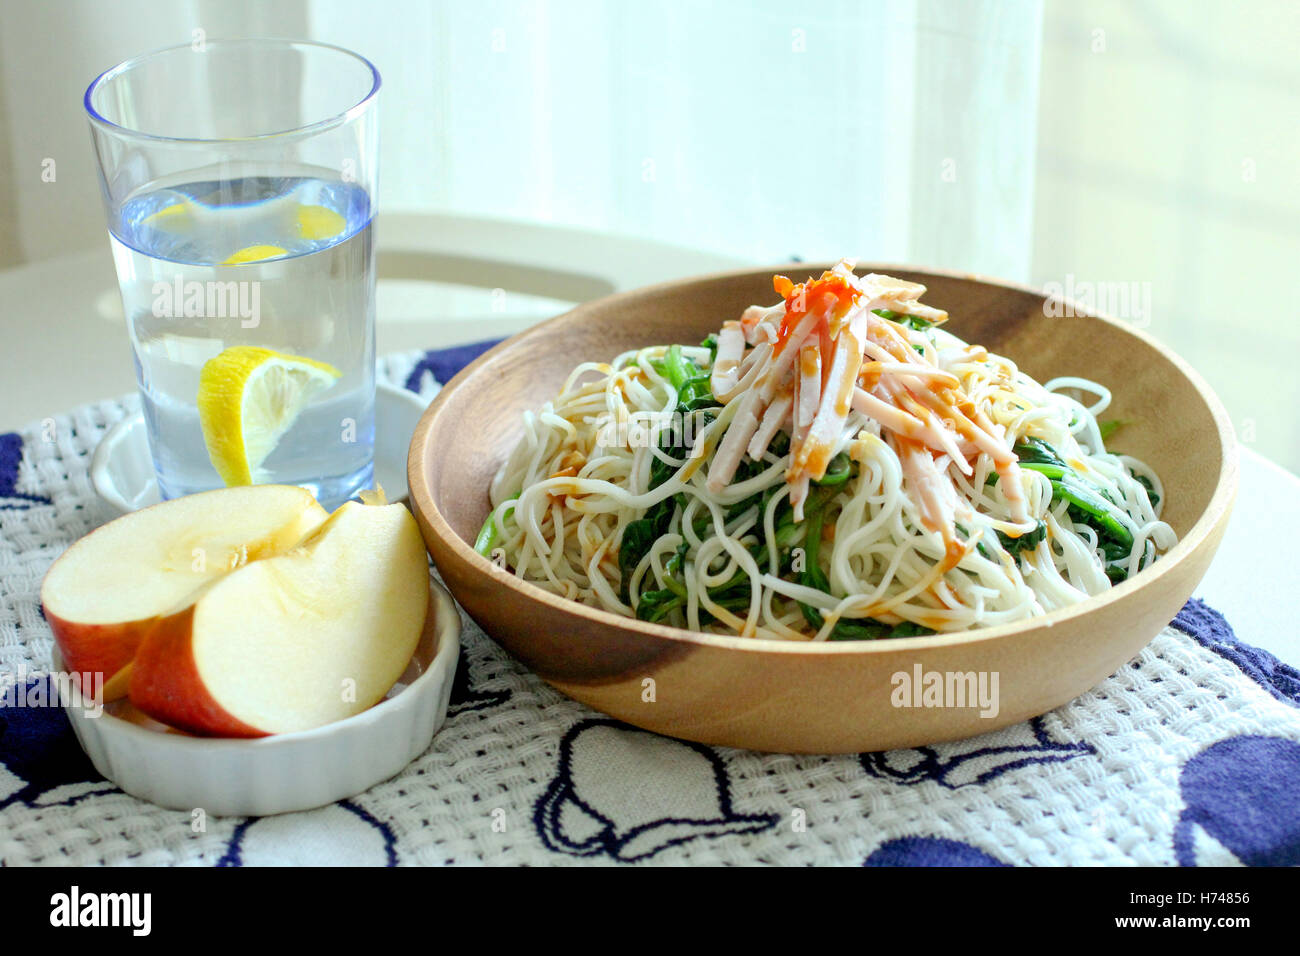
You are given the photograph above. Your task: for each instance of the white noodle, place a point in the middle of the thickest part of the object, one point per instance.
(582, 474)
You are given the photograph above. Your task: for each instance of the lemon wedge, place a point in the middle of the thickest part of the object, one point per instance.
(254, 254)
(173, 218)
(319, 222)
(249, 397)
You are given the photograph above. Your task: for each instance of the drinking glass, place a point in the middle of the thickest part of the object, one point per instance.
(239, 179)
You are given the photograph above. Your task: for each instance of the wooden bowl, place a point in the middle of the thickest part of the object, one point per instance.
(823, 697)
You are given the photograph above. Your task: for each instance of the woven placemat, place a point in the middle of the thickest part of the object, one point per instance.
(1189, 754)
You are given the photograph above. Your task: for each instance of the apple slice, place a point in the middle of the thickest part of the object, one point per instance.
(108, 589)
(297, 640)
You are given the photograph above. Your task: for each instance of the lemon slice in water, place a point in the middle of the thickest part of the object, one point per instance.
(319, 222)
(249, 397)
(176, 218)
(254, 254)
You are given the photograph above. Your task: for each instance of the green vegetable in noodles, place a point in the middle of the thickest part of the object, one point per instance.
(654, 606)
(812, 576)
(1146, 483)
(676, 368)
(1027, 541)
(1100, 512)
(840, 469)
(869, 629)
(1110, 426)
(907, 321)
(489, 534)
(1088, 504)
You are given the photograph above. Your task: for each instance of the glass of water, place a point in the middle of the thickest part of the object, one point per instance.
(239, 178)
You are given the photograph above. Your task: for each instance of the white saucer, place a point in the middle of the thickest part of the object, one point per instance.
(121, 469)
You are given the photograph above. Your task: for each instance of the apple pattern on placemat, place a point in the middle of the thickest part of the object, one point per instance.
(41, 763)
(465, 697)
(974, 760)
(930, 851)
(11, 458)
(673, 792)
(1242, 793)
(356, 838)
(438, 366)
(1242, 799)
(1211, 630)
(586, 813)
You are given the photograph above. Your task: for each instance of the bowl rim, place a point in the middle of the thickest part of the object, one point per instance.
(1215, 511)
(444, 619)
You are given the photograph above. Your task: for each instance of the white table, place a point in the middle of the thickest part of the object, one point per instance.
(447, 280)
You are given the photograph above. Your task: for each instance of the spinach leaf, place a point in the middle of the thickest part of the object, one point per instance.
(1010, 545)
(1110, 426)
(638, 537)
(654, 606)
(1027, 541)
(869, 629)
(489, 534)
(907, 321)
(1035, 451)
(711, 343)
(1146, 483)
(676, 368)
(812, 576)
(1099, 511)
(1090, 503)
(695, 393)
(914, 322)
(840, 470)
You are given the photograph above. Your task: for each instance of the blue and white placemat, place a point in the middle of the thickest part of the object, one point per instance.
(1188, 755)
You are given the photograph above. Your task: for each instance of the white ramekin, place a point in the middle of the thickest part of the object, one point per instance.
(284, 772)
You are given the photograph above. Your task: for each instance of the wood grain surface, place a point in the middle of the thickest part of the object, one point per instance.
(826, 697)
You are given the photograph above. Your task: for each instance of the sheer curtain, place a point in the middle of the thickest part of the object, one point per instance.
(891, 129)
(1161, 151)
(896, 130)
(1169, 151)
